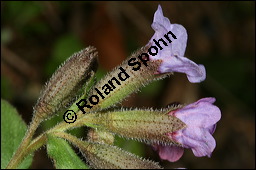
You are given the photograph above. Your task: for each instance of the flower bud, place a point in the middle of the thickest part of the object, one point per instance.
(67, 83)
(103, 156)
(150, 126)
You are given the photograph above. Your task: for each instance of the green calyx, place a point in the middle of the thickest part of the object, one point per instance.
(150, 126)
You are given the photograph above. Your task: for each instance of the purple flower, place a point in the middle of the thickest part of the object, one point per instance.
(200, 119)
(171, 49)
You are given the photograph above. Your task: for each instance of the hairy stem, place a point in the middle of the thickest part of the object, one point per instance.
(70, 138)
(37, 143)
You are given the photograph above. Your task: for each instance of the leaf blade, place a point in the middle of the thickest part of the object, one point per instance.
(13, 129)
(63, 155)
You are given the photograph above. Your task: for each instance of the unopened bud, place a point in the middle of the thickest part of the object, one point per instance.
(103, 156)
(67, 83)
(150, 126)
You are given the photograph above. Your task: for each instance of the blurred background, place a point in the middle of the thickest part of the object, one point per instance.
(36, 37)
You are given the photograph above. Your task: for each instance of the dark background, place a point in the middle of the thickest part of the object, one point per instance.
(36, 37)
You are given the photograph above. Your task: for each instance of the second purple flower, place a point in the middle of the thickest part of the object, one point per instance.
(200, 118)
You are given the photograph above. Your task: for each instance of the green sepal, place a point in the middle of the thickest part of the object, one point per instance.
(150, 126)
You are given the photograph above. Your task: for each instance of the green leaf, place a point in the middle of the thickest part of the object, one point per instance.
(63, 155)
(13, 129)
